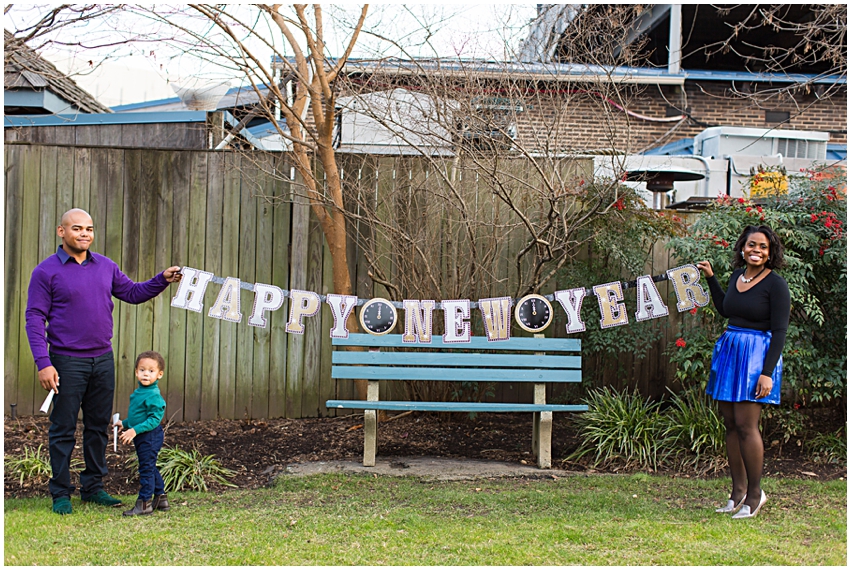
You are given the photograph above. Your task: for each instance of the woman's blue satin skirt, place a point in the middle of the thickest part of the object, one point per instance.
(737, 364)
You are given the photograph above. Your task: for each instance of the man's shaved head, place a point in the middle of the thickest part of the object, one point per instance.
(74, 214)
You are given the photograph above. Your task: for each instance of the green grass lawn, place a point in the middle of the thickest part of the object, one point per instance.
(361, 520)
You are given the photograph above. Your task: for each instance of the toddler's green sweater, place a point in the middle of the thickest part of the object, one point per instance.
(147, 409)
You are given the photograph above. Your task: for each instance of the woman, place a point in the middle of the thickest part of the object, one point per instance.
(746, 362)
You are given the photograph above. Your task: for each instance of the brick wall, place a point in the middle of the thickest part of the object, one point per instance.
(582, 121)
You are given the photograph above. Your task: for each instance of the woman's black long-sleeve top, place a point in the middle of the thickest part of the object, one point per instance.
(765, 307)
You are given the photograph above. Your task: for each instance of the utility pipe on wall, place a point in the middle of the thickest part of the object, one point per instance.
(706, 168)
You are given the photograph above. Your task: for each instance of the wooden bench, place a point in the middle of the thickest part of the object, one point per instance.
(528, 360)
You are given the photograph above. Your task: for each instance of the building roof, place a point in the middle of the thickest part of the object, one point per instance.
(26, 71)
(556, 71)
(243, 96)
(835, 151)
(715, 37)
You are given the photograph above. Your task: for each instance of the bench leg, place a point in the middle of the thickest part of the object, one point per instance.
(370, 423)
(543, 430)
(369, 431)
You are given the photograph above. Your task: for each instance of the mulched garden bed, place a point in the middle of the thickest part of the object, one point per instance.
(257, 450)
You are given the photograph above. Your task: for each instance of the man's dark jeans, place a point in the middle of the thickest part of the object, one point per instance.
(87, 383)
(148, 446)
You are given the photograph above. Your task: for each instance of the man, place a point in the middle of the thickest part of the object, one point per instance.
(72, 292)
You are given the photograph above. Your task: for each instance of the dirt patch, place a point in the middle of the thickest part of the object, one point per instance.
(258, 450)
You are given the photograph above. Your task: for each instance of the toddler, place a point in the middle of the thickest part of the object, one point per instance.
(142, 427)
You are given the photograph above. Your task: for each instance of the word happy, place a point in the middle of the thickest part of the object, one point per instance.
(532, 313)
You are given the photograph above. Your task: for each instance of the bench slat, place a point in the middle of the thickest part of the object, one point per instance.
(453, 406)
(455, 374)
(456, 359)
(476, 343)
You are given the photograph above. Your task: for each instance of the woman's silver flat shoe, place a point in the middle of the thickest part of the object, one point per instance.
(731, 507)
(746, 513)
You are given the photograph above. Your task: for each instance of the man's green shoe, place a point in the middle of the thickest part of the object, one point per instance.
(102, 498)
(62, 506)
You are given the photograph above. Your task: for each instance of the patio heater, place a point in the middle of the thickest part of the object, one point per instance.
(660, 181)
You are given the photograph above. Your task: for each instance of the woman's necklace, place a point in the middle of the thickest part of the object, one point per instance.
(754, 277)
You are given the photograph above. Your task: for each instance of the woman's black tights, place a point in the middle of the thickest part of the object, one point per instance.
(745, 449)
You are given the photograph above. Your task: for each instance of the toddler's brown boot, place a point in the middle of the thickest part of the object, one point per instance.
(141, 508)
(160, 502)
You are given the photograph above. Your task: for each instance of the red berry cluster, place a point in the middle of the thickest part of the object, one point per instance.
(716, 240)
(831, 195)
(830, 221)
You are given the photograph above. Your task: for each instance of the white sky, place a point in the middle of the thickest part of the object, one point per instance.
(142, 72)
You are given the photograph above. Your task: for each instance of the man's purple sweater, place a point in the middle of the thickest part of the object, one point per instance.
(76, 302)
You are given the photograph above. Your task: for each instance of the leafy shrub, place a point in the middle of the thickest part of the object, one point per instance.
(622, 428)
(33, 465)
(181, 469)
(782, 424)
(828, 448)
(471, 391)
(810, 221)
(695, 432)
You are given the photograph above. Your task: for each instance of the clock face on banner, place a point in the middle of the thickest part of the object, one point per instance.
(378, 316)
(533, 313)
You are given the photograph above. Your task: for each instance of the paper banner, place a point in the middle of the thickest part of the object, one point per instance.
(379, 316)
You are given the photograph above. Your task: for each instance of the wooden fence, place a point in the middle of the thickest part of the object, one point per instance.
(156, 208)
